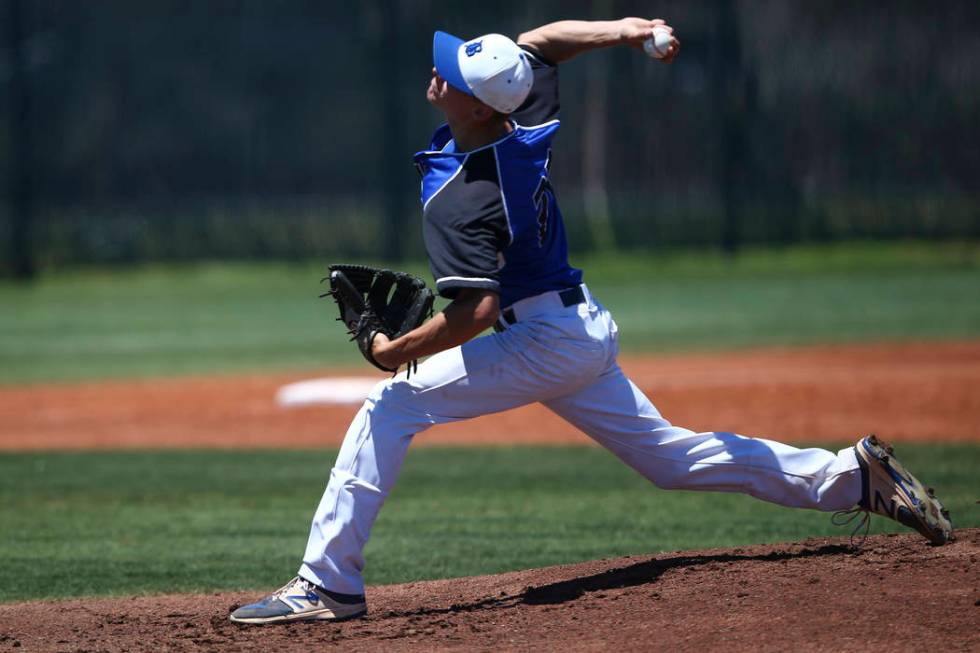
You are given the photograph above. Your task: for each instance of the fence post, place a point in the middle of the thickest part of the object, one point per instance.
(395, 149)
(23, 266)
(729, 84)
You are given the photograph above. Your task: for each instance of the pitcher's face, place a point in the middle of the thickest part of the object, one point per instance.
(451, 101)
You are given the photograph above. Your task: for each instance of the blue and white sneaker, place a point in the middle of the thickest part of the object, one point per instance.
(889, 489)
(301, 600)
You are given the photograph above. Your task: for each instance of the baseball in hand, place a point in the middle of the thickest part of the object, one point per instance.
(658, 45)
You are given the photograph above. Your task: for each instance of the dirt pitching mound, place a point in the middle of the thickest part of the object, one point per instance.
(896, 592)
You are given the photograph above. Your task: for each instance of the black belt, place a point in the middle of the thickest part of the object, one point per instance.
(569, 297)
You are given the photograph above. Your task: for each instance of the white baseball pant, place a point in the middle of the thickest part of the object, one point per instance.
(564, 357)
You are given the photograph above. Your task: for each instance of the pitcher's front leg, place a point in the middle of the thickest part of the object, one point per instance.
(367, 466)
(483, 376)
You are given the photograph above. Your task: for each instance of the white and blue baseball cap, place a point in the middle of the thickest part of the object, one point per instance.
(491, 68)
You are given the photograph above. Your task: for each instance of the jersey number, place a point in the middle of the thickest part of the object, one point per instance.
(544, 199)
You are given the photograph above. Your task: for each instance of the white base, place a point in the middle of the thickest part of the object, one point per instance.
(332, 390)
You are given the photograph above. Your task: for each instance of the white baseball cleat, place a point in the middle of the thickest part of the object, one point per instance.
(301, 600)
(889, 489)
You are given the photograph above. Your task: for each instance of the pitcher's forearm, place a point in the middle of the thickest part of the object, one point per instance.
(558, 42)
(465, 318)
(564, 39)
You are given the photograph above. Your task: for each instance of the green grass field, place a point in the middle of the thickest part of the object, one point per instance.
(144, 522)
(148, 522)
(162, 320)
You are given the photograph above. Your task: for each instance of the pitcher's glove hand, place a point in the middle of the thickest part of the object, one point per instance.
(368, 306)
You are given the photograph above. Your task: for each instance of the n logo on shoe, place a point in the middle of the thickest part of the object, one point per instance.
(310, 597)
(889, 505)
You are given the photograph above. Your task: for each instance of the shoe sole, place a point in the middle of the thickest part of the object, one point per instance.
(918, 508)
(319, 615)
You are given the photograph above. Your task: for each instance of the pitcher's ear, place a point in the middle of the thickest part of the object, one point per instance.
(482, 112)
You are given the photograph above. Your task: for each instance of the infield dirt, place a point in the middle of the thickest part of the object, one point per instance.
(904, 392)
(895, 593)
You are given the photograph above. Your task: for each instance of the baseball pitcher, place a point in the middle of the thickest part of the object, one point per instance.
(496, 243)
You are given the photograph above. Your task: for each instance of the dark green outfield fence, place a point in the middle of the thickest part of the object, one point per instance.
(175, 130)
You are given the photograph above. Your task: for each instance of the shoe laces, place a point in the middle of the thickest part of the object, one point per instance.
(845, 517)
(305, 584)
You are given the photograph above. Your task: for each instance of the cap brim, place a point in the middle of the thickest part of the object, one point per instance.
(445, 57)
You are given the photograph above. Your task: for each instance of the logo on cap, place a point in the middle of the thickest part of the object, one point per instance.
(473, 48)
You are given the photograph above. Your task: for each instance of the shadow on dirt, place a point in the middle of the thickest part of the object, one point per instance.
(640, 573)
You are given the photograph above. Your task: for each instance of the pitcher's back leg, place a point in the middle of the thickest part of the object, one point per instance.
(615, 413)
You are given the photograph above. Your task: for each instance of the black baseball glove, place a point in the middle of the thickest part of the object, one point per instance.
(374, 301)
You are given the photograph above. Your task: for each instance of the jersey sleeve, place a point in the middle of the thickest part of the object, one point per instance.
(464, 256)
(542, 103)
(465, 226)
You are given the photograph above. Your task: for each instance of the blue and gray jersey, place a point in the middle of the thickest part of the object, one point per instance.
(490, 218)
